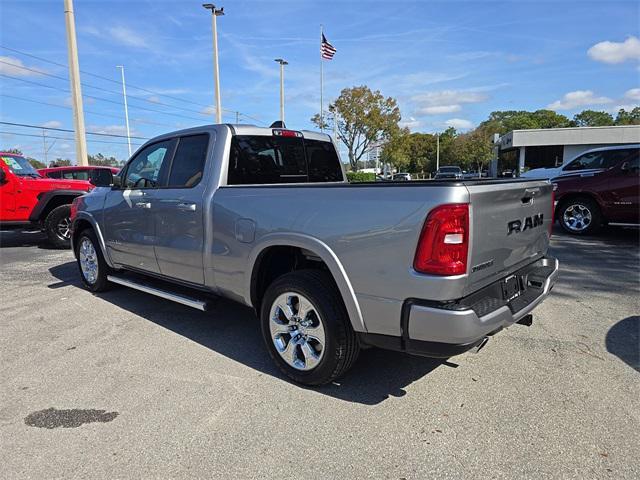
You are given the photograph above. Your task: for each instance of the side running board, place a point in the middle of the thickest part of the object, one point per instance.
(203, 305)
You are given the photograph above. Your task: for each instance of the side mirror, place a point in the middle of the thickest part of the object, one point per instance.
(3, 176)
(117, 182)
(102, 178)
(625, 167)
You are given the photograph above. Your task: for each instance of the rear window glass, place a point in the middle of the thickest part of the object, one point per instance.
(268, 160)
(256, 160)
(324, 165)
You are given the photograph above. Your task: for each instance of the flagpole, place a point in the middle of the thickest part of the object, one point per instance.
(321, 84)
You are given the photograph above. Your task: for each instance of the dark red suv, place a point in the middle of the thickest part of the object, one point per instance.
(587, 201)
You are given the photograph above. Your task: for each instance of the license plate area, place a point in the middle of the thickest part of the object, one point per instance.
(512, 287)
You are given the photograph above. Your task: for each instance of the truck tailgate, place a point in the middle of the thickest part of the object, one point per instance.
(510, 227)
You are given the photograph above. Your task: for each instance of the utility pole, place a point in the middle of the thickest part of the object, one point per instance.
(437, 151)
(74, 78)
(215, 12)
(282, 63)
(126, 109)
(44, 147)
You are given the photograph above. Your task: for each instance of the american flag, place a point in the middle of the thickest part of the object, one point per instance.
(326, 49)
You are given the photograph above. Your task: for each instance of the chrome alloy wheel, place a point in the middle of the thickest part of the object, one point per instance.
(88, 260)
(64, 228)
(297, 331)
(577, 217)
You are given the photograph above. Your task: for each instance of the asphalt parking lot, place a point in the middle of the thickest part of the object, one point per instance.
(126, 385)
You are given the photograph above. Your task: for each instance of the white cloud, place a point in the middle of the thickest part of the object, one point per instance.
(616, 52)
(576, 99)
(210, 110)
(459, 123)
(109, 129)
(411, 124)
(154, 99)
(12, 66)
(126, 36)
(445, 101)
(633, 94)
(52, 124)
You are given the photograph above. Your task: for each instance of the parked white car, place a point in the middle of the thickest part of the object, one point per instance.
(594, 160)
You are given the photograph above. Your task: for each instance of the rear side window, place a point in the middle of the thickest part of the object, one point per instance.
(264, 160)
(54, 174)
(187, 167)
(324, 165)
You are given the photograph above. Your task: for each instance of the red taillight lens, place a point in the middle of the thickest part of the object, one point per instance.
(287, 133)
(444, 241)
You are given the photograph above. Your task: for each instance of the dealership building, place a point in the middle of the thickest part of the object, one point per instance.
(521, 150)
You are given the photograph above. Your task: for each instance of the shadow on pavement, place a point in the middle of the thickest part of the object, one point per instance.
(14, 239)
(233, 331)
(623, 340)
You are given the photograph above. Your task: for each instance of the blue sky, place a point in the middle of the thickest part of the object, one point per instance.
(447, 62)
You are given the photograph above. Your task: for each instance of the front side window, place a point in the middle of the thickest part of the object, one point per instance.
(187, 167)
(588, 161)
(146, 168)
(266, 160)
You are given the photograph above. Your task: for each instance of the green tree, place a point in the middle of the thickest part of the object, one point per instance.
(15, 151)
(364, 118)
(593, 118)
(504, 121)
(60, 162)
(36, 163)
(100, 160)
(628, 118)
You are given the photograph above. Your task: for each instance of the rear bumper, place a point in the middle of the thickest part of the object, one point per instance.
(439, 329)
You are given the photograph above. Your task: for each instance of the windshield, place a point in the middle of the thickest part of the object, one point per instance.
(19, 165)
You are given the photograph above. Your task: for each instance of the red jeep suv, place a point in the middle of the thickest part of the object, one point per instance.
(29, 201)
(586, 201)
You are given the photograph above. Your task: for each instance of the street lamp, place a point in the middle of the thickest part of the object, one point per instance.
(282, 63)
(126, 109)
(215, 12)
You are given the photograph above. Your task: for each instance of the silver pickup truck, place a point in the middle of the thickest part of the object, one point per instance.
(265, 217)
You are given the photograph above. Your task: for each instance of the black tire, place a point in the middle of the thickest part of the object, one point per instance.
(341, 346)
(587, 208)
(100, 283)
(58, 221)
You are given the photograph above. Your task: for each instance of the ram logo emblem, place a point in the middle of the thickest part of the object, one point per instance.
(517, 226)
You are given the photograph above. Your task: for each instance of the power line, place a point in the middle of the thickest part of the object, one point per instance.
(118, 117)
(64, 138)
(118, 83)
(26, 125)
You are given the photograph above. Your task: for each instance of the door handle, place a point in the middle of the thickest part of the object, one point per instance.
(143, 204)
(191, 207)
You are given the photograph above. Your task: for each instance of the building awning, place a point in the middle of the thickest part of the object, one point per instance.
(615, 135)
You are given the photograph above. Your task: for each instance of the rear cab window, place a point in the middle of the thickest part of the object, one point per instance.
(256, 160)
(187, 167)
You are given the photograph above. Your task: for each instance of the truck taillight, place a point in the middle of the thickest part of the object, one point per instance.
(444, 241)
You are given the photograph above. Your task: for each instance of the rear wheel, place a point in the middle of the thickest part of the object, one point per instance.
(306, 328)
(57, 225)
(91, 263)
(580, 216)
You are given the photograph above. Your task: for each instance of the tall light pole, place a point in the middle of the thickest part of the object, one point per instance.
(437, 151)
(74, 79)
(215, 12)
(282, 63)
(126, 109)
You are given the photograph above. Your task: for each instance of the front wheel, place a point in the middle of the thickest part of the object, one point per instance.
(580, 216)
(306, 328)
(57, 225)
(91, 263)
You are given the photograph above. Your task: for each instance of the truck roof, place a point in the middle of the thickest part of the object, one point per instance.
(245, 129)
